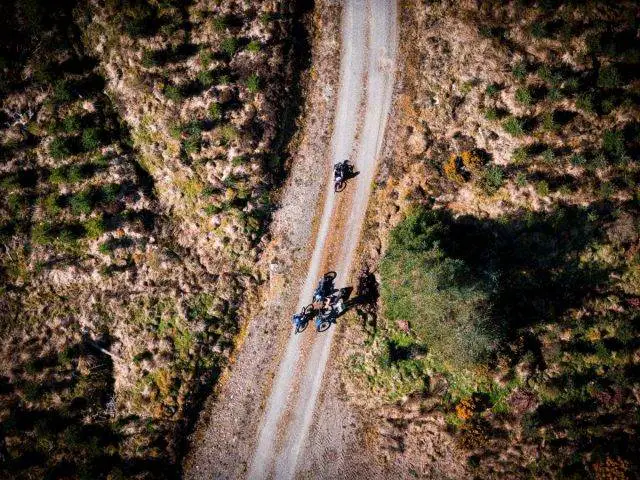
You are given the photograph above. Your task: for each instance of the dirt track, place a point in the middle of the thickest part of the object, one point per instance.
(367, 71)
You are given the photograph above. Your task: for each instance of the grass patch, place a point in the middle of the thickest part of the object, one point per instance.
(514, 126)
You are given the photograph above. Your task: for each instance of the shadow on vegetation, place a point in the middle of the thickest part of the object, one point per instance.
(531, 262)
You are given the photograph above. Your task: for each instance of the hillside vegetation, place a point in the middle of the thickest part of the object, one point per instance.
(141, 146)
(507, 235)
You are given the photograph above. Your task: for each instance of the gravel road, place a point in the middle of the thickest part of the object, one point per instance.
(369, 36)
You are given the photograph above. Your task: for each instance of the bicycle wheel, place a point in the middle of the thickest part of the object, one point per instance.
(323, 326)
(339, 186)
(330, 275)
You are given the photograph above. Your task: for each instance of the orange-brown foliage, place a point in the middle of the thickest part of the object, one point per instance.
(613, 468)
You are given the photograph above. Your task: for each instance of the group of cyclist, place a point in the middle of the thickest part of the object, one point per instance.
(326, 307)
(328, 303)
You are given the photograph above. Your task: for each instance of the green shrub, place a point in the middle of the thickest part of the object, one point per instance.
(228, 133)
(539, 30)
(238, 160)
(206, 57)
(109, 193)
(445, 305)
(542, 188)
(519, 71)
(544, 73)
(81, 203)
(513, 126)
(193, 142)
(492, 90)
(571, 85)
(94, 227)
(606, 190)
(175, 130)
(10, 182)
(578, 160)
(585, 102)
(266, 18)
(608, 77)
(548, 156)
(91, 139)
(521, 179)
(72, 123)
(75, 174)
(215, 111)
(491, 114)
(520, 155)
(492, 179)
(17, 203)
(607, 106)
(59, 148)
(51, 205)
(549, 123)
(224, 80)
(253, 83)
(149, 58)
(173, 93)
(466, 87)
(137, 18)
(229, 46)
(554, 94)
(613, 144)
(598, 161)
(253, 46)
(523, 96)
(219, 23)
(62, 91)
(212, 209)
(42, 233)
(206, 78)
(100, 161)
(58, 175)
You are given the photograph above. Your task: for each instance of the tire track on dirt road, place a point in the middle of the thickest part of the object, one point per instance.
(369, 43)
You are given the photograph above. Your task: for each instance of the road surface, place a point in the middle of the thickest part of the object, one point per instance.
(369, 42)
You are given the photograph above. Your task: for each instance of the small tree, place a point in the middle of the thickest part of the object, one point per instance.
(445, 305)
